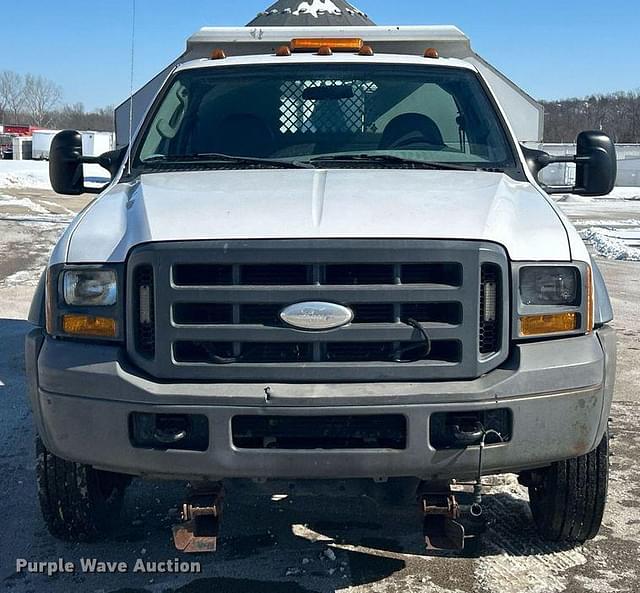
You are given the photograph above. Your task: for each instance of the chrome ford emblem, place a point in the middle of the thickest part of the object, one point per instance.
(316, 316)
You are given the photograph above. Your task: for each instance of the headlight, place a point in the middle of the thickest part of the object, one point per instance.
(550, 285)
(90, 288)
(85, 302)
(552, 300)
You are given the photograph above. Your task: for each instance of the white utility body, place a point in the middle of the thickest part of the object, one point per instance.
(525, 113)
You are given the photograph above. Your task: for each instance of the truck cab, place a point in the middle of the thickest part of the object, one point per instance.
(325, 263)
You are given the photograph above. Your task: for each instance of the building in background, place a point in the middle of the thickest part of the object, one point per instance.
(287, 19)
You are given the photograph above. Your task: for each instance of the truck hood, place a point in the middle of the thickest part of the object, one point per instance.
(274, 204)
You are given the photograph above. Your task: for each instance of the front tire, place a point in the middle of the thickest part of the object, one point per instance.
(78, 502)
(568, 502)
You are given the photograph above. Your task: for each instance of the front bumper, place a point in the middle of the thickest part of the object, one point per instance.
(559, 393)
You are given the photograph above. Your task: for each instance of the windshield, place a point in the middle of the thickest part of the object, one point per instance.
(323, 114)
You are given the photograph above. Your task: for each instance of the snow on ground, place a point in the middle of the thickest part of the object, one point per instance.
(608, 245)
(610, 224)
(26, 203)
(35, 174)
(19, 174)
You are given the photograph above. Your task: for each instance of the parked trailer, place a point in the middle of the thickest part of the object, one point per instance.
(96, 143)
(22, 148)
(93, 143)
(42, 143)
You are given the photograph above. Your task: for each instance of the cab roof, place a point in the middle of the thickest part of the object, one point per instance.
(312, 58)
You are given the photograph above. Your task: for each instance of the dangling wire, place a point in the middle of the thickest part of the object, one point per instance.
(131, 82)
(420, 350)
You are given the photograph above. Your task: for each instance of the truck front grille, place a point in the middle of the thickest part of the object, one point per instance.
(214, 310)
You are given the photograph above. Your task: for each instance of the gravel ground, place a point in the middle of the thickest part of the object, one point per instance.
(299, 544)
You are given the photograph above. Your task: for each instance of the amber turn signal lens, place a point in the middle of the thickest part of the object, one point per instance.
(346, 44)
(535, 325)
(87, 325)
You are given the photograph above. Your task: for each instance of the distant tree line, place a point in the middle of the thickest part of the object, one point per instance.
(37, 101)
(616, 114)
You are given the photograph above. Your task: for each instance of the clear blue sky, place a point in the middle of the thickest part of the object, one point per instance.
(552, 49)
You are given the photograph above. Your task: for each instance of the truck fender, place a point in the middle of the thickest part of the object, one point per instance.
(603, 307)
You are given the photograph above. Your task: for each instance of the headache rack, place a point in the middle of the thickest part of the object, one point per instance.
(209, 310)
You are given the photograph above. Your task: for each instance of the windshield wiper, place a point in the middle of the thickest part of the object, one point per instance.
(391, 159)
(219, 158)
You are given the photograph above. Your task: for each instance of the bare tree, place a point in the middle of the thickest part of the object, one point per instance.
(617, 114)
(12, 94)
(41, 97)
(74, 116)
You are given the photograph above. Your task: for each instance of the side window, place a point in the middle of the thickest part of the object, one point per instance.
(167, 121)
(434, 102)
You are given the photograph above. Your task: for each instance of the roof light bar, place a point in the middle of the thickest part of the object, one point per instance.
(336, 44)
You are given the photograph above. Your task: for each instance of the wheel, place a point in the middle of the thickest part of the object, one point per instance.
(568, 502)
(78, 502)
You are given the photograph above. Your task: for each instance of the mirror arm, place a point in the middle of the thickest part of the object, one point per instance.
(559, 189)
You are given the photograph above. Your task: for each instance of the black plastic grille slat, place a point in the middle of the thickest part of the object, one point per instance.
(373, 313)
(218, 307)
(268, 275)
(269, 314)
(203, 313)
(433, 312)
(202, 275)
(212, 352)
(354, 275)
(446, 351)
(449, 274)
(446, 274)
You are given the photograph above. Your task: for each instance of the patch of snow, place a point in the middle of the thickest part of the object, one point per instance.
(35, 174)
(22, 203)
(619, 193)
(610, 246)
(63, 208)
(18, 174)
(22, 277)
(630, 222)
(317, 6)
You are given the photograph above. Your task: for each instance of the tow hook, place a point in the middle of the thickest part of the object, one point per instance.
(448, 524)
(201, 513)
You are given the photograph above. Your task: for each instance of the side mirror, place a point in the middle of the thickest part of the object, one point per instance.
(65, 163)
(596, 164)
(595, 160)
(66, 160)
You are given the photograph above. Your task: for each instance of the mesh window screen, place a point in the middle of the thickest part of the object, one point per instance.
(300, 114)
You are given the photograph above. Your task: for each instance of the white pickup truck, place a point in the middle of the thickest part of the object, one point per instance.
(324, 263)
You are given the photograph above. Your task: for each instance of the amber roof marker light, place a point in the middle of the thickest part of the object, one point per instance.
(366, 50)
(218, 54)
(283, 51)
(431, 53)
